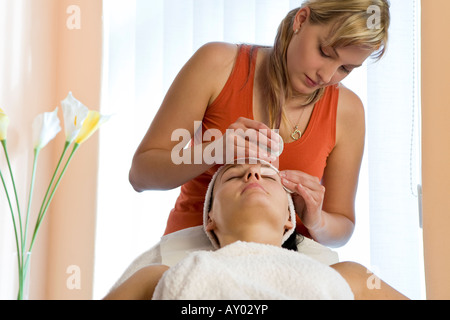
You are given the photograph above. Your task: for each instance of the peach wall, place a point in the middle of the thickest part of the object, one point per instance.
(436, 146)
(72, 225)
(28, 83)
(41, 61)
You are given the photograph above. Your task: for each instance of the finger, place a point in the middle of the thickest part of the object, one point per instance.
(307, 197)
(302, 178)
(289, 185)
(253, 124)
(252, 152)
(275, 144)
(252, 148)
(311, 197)
(273, 139)
(298, 188)
(314, 187)
(268, 141)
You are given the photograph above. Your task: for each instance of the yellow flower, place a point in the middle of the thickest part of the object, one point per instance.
(4, 122)
(90, 125)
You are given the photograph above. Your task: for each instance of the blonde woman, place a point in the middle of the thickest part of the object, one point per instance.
(293, 86)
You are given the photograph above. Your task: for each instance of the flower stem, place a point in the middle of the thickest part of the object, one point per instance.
(13, 220)
(66, 147)
(45, 208)
(15, 190)
(19, 244)
(23, 281)
(30, 197)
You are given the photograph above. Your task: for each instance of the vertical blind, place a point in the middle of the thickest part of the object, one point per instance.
(146, 43)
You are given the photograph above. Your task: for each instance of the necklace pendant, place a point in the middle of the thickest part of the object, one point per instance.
(297, 134)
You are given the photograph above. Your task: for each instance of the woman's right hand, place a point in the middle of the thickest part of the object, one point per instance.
(249, 138)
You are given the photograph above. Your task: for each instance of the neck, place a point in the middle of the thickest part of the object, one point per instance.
(295, 101)
(254, 234)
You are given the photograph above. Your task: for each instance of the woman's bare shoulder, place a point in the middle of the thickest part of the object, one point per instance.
(350, 115)
(349, 101)
(217, 60)
(350, 107)
(217, 55)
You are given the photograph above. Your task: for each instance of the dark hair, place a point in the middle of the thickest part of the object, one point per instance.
(293, 241)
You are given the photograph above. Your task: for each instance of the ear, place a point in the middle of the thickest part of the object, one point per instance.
(301, 16)
(289, 225)
(211, 224)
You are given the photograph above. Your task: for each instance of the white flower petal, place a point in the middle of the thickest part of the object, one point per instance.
(45, 128)
(74, 115)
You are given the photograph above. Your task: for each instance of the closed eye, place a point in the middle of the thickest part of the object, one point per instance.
(233, 177)
(345, 70)
(323, 54)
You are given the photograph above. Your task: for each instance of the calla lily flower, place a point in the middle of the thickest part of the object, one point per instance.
(4, 122)
(74, 115)
(80, 124)
(93, 121)
(45, 128)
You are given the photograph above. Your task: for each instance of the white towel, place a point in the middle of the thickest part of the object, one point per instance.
(250, 271)
(178, 245)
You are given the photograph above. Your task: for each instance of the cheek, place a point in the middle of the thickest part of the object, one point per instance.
(302, 59)
(224, 208)
(337, 78)
(295, 59)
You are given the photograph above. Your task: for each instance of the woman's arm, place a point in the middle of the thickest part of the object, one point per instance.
(140, 286)
(364, 284)
(343, 167)
(327, 209)
(196, 86)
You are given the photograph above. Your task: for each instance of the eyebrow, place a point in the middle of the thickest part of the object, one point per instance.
(348, 65)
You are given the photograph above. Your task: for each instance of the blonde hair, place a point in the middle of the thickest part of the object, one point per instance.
(349, 21)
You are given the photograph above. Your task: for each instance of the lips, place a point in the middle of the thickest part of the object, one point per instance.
(253, 185)
(310, 82)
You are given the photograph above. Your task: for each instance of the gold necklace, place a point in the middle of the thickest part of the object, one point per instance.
(297, 134)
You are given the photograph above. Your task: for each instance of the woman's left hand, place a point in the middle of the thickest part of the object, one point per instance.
(308, 195)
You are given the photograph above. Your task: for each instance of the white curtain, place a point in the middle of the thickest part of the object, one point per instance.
(393, 152)
(388, 235)
(147, 43)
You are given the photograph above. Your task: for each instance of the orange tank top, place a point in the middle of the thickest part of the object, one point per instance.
(309, 154)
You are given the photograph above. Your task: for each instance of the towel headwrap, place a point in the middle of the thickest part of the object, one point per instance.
(208, 196)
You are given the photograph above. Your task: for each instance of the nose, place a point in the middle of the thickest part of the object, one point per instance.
(326, 74)
(253, 173)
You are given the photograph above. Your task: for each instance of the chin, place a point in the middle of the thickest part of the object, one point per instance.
(300, 88)
(303, 90)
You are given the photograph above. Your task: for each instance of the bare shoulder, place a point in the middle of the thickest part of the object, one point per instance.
(212, 59)
(218, 51)
(217, 56)
(350, 114)
(216, 61)
(349, 105)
